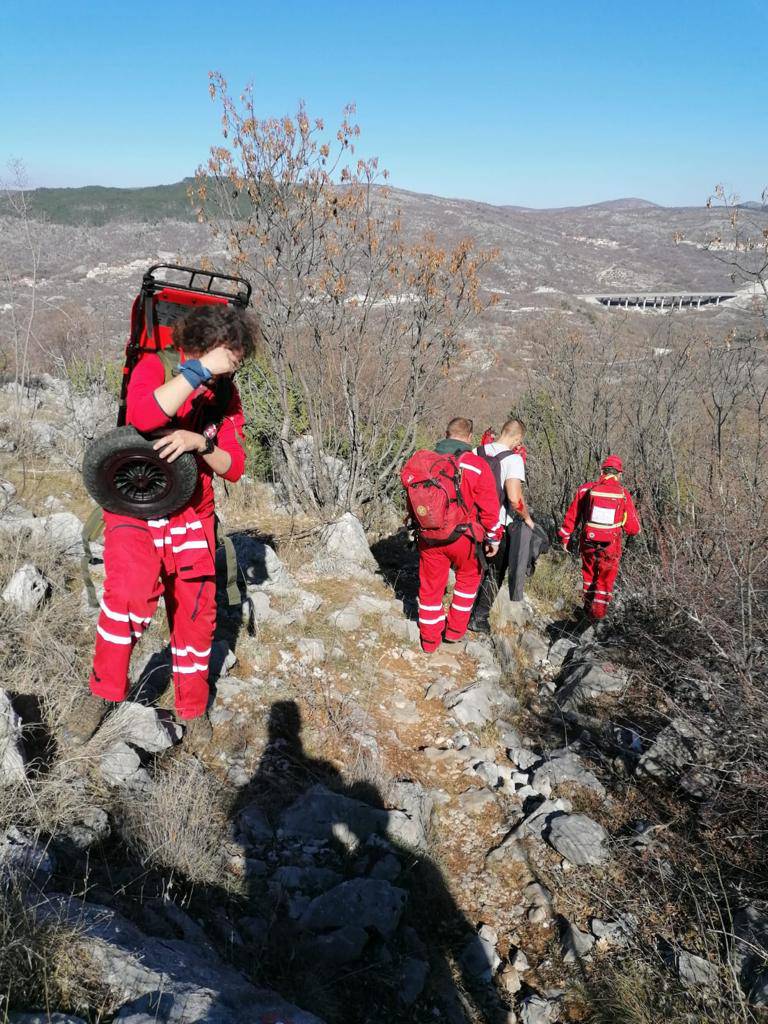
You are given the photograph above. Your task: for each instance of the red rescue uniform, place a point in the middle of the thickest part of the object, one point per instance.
(173, 556)
(478, 490)
(605, 511)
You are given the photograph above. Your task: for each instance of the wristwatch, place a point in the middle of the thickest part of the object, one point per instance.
(210, 433)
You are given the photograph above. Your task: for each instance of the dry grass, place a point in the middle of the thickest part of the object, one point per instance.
(43, 962)
(557, 577)
(180, 826)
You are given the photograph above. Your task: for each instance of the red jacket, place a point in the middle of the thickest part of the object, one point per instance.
(478, 489)
(624, 521)
(145, 414)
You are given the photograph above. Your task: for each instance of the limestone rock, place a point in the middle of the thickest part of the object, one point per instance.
(476, 704)
(578, 838)
(560, 650)
(536, 1009)
(43, 1018)
(566, 766)
(403, 629)
(61, 532)
(12, 767)
(121, 766)
(576, 944)
(321, 814)
(338, 947)
(27, 589)
(614, 933)
(696, 972)
(92, 826)
(311, 651)
(145, 727)
(750, 953)
(258, 565)
(476, 801)
(367, 604)
(362, 902)
(584, 679)
(680, 746)
(479, 957)
(24, 856)
(173, 980)
(346, 619)
(511, 613)
(535, 646)
(344, 542)
(412, 979)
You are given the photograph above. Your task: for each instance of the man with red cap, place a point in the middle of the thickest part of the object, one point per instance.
(604, 509)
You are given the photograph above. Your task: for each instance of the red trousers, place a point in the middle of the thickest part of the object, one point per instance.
(173, 557)
(434, 565)
(599, 567)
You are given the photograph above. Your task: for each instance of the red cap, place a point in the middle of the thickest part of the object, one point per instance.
(614, 462)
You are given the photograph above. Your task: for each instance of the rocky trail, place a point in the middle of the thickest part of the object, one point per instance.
(373, 833)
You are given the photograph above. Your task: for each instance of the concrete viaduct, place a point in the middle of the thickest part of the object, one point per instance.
(664, 300)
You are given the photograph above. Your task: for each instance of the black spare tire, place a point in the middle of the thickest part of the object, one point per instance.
(124, 474)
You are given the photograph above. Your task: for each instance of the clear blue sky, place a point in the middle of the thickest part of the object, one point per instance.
(521, 103)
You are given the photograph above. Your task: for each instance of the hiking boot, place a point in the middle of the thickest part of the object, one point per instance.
(85, 718)
(198, 732)
(481, 626)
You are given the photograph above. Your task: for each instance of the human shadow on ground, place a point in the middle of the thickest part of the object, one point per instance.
(398, 562)
(337, 915)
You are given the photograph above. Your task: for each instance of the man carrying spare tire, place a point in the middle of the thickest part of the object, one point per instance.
(173, 555)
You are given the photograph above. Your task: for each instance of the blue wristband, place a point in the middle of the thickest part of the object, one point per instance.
(194, 373)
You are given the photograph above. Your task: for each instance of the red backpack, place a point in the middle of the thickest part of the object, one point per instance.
(605, 510)
(432, 485)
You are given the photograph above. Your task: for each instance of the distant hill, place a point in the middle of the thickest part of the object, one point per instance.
(96, 205)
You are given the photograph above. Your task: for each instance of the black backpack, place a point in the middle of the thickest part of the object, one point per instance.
(495, 462)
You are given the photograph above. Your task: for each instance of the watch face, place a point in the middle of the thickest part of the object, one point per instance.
(211, 431)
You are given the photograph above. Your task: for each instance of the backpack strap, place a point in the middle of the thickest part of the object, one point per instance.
(92, 529)
(171, 361)
(224, 541)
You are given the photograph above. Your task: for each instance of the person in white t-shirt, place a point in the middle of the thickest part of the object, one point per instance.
(506, 457)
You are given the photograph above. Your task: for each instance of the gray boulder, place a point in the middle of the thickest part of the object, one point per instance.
(345, 619)
(344, 543)
(23, 856)
(585, 679)
(336, 948)
(121, 766)
(170, 980)
(578, 838)
(43, 1018)
(412, 978)
(560, 651)
(536, 1009)
(678, 748)
(696, 972)
(750, 953)
(535, 646)
(27, 589)
(12, 765)
(479, 957)
(258, 566)
(61, 532)
(481, 701)
(321, 814)
(576, 944)
(145, 727)
(566, 766)
(362, 902)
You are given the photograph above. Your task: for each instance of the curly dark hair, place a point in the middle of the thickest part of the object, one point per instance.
(208, 327)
